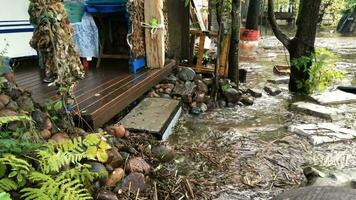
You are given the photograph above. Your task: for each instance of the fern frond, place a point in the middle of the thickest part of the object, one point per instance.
(60, 188)
(34, 194)
(8, 119)
(15, 163)
(54, 161)
(7, 185)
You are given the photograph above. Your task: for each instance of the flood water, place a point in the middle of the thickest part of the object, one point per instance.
(252, 154)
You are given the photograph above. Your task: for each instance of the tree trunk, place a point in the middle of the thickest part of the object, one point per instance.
(253, 15)
(215, 89)
(303, 42)
(218, 10)
(235, 39)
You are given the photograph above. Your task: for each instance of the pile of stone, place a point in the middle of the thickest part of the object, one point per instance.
(129, 165)
(195, 91)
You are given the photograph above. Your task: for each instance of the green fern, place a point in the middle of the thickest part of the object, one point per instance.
(8, 119)
(17, 146)
(7, 185)
(5, 196)
(55, 156)
(62, 187)
(52, 159)
(19, 170)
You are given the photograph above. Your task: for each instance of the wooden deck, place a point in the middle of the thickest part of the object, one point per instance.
(103, 93)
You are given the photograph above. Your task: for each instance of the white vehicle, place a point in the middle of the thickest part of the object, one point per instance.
(15, 28)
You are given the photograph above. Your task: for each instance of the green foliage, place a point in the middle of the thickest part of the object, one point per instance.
(8, 119)
(54, 157)
(350, 6)
(17, 146)
(17, 177)
(5, 196)
(62, 187)
(321, 73)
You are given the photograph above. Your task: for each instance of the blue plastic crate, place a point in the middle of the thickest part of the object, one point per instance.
(137, 64)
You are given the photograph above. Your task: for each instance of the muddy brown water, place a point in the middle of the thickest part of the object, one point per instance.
(241, 133)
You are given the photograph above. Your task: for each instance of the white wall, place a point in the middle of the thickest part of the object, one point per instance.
(11, 11)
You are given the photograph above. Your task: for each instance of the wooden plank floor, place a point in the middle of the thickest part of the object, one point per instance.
(102, 94)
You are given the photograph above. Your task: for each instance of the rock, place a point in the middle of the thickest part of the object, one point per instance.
(2, 105)
(138, 164)
(279, 80)
(184, 89)
(247, 100)
(164, 152)
(60, 137)
(79, 132)
(15, 93)
(167, 86)
(4, 99)
(317, 110)
(201, 86)
(203, 107)
(135, 181)
(124, 155)
(115, 177)
(127, 134)
(153, 94)
(163, 95)
(40, 118)
(200, 97)
(186, 74)
(198, 77)
(115, 159)
(12, 105)
(170, 79)
(232, 95)
(196, 111)
(323, 132)
(14, 126)
(106, 195)
(318, 193)
(208, 81)
(25, 103)
(254, 92)
(6, 112)
(46, 134)
(272, 90)
(231, 105)
(222, 103)
(118, 131)
(99, 168)
(48, 124)
(168, 90)
(334, 98)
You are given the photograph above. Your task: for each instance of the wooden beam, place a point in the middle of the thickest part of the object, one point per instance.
(155, 45)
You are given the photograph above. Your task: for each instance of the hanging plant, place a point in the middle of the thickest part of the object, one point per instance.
(52, 38)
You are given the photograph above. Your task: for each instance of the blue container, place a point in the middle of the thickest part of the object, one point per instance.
(105, 8)
(75, 11)
(101, 2)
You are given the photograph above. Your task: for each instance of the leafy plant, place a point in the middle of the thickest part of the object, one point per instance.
(321, 73)
(17, 177)
(17, 146)
(55, 156)
(5, 196)
(62, 187)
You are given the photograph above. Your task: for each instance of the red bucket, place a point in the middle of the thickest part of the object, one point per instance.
(249, 35)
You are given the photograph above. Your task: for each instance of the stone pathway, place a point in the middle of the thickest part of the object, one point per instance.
(318, 110)
(323, 132)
